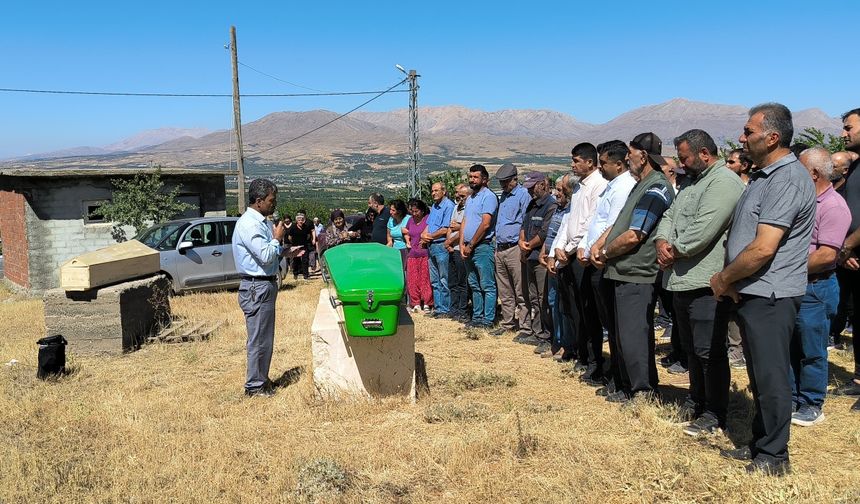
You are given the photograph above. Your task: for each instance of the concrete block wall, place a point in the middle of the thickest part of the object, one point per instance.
(57, 231)
(13, 230)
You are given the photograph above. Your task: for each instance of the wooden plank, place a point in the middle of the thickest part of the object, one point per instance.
(208, 332)
(167, 331)
(188, 333)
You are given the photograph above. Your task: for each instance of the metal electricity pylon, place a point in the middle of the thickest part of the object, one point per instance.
(414, 153)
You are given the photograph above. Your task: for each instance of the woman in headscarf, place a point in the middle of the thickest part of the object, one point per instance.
(337, 232)
(418, 259)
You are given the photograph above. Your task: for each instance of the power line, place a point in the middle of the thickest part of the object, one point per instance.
(194, 95)
(333, 120)
(279, 79)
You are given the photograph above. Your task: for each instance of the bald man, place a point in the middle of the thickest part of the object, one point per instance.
(841, 161)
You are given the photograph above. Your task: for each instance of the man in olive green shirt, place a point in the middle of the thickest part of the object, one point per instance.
(690, 242)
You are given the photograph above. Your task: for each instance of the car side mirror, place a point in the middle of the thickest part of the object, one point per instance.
(184, 246)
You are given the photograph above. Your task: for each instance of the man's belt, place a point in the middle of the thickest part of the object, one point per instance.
(261, 278)
(816, 277)
(505, 246)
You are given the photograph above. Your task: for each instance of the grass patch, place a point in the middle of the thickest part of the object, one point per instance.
(473, 380)
(322, 480)
(454, 412)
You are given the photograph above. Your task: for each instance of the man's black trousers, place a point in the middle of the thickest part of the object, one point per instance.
(588, 329)
(702, 329)
(634, 323)
(767, 325)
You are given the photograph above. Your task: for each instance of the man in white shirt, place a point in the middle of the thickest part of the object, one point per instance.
(579, 298)
(613, 168)
(256, 252)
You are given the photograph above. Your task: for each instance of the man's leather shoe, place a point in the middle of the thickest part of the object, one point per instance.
(260, 392)
(543, 346)
(742, 453)
(617, 397)
(529, 340)
(856, 407)
(851, 388)
(769, 468)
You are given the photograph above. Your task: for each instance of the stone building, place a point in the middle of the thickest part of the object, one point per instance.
(48, 216)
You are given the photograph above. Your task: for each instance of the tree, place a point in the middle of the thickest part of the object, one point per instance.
(139, 202)
(449, 178)
(814, 137)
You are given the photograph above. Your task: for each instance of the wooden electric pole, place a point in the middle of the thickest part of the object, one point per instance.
(237, 124)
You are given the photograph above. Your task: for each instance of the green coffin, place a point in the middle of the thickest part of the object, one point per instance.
(367, 280)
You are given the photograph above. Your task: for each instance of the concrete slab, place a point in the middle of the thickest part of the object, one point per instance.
(112, 319)
(349, 367)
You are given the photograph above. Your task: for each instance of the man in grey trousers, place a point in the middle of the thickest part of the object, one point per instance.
(256, 252)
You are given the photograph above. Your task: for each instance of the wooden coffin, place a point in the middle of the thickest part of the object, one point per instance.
(108, 265)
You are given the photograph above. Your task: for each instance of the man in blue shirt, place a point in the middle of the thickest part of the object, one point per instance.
(512, 210)
(433, 237)
(476, 247)
(256, 252)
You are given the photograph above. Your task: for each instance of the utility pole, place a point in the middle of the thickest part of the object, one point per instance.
(237, 124)
(414, 154)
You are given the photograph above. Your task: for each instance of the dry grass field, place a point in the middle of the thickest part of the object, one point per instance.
(169, 423)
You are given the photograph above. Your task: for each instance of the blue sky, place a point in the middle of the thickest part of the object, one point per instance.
(592, 60)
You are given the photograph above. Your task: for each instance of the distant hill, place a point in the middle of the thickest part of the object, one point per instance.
(133, 143)
(449, 132)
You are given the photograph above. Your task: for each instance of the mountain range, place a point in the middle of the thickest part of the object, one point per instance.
(448, 132)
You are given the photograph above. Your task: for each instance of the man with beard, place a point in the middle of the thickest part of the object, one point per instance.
(850, 248)
(841, 161)
(476, 247)
(626, 251)
(766, 275)
(690, 243)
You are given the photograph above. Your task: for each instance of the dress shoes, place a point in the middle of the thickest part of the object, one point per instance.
(768, 467)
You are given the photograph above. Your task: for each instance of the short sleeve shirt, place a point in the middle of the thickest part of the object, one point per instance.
(440, 217)
(479, 204)
(832, 219)
(783, 195)
(415, 229)
(512, 211)
(396, 231)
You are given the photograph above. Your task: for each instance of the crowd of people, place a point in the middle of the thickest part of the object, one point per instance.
(753, 257)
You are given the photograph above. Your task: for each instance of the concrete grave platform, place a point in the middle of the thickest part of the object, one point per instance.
(111, 319)
(345, 366)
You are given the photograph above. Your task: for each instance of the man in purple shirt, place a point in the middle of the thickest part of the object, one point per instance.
(809, 343)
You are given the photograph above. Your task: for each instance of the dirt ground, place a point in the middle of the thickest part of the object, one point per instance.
(169, 423)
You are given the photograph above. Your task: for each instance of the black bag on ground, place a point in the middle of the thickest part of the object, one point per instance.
(52, 356)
